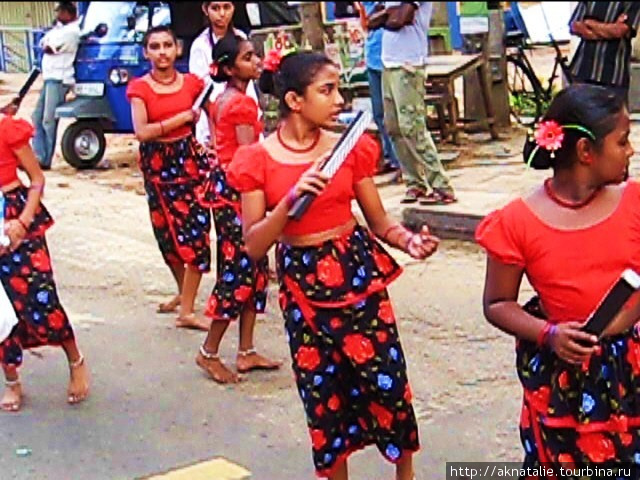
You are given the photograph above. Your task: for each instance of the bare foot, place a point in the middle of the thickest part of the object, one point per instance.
(12, 398)
(245, 362)
(193, 322)
(217, 370)
(170, 306)
(78, 389)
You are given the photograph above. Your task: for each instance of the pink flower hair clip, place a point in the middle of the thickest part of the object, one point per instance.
(549, 135)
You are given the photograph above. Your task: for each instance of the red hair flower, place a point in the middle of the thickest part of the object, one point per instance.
(549, 135)
(213, 69)
(272, 60)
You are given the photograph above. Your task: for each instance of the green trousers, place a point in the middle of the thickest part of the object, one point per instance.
(405, 121)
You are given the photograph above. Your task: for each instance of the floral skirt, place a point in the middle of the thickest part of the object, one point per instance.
(346, 353)
(27, 277)
(173, 176)
(582, 416)
(239, 279)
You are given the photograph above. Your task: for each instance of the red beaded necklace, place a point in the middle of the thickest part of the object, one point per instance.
(298, 150)
(164, 82)
(564, 203)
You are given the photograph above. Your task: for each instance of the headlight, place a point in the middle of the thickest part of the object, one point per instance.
(89, 89)
(119, 76)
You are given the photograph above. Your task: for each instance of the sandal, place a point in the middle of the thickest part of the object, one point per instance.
(412, 195)
(438, 198)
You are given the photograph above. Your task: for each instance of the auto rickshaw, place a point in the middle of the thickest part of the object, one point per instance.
(110, 54)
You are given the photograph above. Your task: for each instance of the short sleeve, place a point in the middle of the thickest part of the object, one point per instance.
(242, 110)
(16, 132)
(496, 235)
(195, 84)
(366, 155)
(245, 173)
(137, 89)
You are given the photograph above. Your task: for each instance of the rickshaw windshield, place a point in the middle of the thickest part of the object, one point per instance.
(106, 22)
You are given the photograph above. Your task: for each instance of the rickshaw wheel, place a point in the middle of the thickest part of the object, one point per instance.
(83, 144)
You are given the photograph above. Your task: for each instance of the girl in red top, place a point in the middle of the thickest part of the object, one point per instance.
(241, 284)
(346, 354)
(25, 268)
(572, 237)
(173, 166)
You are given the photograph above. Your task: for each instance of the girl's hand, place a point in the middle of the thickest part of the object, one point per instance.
(422, 244)
(312, 181)
(16, 233)
(572, 344)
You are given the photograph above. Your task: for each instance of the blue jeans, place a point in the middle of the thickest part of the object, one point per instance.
(377, 105)
(44, 121)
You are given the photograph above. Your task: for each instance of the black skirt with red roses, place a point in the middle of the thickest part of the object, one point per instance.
(239, 280)
(581, 416)
(346, 354)
(27, 277)
(174, 174)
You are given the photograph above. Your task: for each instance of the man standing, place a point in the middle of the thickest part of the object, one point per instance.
(59, 47)
(605, 30)
(405, 46)
(373, 51)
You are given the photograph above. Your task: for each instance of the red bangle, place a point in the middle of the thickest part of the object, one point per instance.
(389, 230)
(24, 225)
(542, 335)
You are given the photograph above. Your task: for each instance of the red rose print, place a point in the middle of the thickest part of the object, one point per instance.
(596, 446)
(383, 262)
(156, 162)
(56, 319)
(384, 416)
(408, 394)
(182, 207)
(626, 439)
(310, 278)
(191, 168)
(40, 261)
(566, 459)
(320, 410)
(358, 348)
(242, 293)
(228, 250)
(318, 440)
(335, 323)
(24, 271)
(157, 219)
(401, 416)
(381, 336)
(633, 356)
(212, 304)
(540, 398)
(18, 306)
(307, 358)
(261, 281)
(385, 312)
(186, 254)
(333, 403)
(330, 272)
(563, 380)
(19, 285)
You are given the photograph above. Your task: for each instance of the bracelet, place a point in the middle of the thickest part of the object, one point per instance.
(550, 335)
(24, 225)
(386, 233)
(161, 129)
(548, 330)
(38, 187)
(291, 197)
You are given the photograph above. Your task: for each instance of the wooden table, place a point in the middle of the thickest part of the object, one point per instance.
(442, 70)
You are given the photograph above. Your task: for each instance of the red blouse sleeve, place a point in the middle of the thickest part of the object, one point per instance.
(246, 171)
(243, 110)
(194, 84)
(496, 233)
(366, 154)
(137, 89)
(17, 132)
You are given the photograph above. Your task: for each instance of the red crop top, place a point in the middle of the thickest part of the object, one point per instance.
(161, 106)
(571, 270)
(14, 133)
(240, 109)
(253, 168)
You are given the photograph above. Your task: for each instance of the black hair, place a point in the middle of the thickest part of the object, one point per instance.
(225, 54)
(297, 71)
(158, 29)
(230, 28)
(592, 107)
(68, 7)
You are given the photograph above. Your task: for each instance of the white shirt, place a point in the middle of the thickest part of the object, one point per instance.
(410, 44)
(63, 40)
(199, 63)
